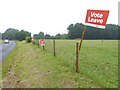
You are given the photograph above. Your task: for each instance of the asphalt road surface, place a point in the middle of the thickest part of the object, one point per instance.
(5, 49)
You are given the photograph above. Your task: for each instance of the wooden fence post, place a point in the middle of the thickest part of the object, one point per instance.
(77, 56)
(82, 37)
(54, 47)
(43, 47)
(79, 48)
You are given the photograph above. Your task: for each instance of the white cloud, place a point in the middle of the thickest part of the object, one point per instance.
(50, 16)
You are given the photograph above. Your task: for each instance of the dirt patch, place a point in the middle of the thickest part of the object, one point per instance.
(67, 84)
(11, 81)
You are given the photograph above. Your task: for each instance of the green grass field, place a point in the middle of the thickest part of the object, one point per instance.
(1, 41)
(29, 66)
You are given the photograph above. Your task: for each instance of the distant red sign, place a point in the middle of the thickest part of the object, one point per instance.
(97, 17)
(42, 42)
(32, 39)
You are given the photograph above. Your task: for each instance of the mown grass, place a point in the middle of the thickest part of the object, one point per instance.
(1, 41)
(98, 64)
(98, 61)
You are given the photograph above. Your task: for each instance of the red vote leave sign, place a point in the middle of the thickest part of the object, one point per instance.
(97, 17)
(42, 42)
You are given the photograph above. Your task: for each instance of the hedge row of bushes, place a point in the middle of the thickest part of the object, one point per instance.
(29, 39)
(35, 42)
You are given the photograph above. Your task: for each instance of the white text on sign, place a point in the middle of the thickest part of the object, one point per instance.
(96, 18)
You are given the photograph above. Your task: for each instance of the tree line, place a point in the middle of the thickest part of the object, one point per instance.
(15, 34)
(93, 33)
(111, 31)
(41, 35)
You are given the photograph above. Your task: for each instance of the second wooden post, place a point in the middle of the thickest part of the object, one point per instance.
(77, 57)
(54, 47)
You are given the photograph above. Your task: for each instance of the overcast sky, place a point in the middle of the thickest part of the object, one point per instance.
(51, 16)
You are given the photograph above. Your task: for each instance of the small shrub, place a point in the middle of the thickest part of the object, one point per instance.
(28, 39)
(33, 42)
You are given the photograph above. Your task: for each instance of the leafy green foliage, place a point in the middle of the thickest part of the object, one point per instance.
(10, 34)
(22, 35)
(14, 34)
(36, 36)
(110, 32)
(28, 39)
(39, 36)
(35, 41)
(47, 36)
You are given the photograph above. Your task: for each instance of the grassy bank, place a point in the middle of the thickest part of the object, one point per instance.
(1, 41)
(0, 65)
(29, 66)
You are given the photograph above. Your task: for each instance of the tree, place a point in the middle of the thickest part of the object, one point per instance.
(74, 31)
(110, 32)
(36, 36)
(47, 36)
(70, 31)
(41, 35)
(64, 36)
(58, 36)
(22, 35)
(10, 34)
(118, 32)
